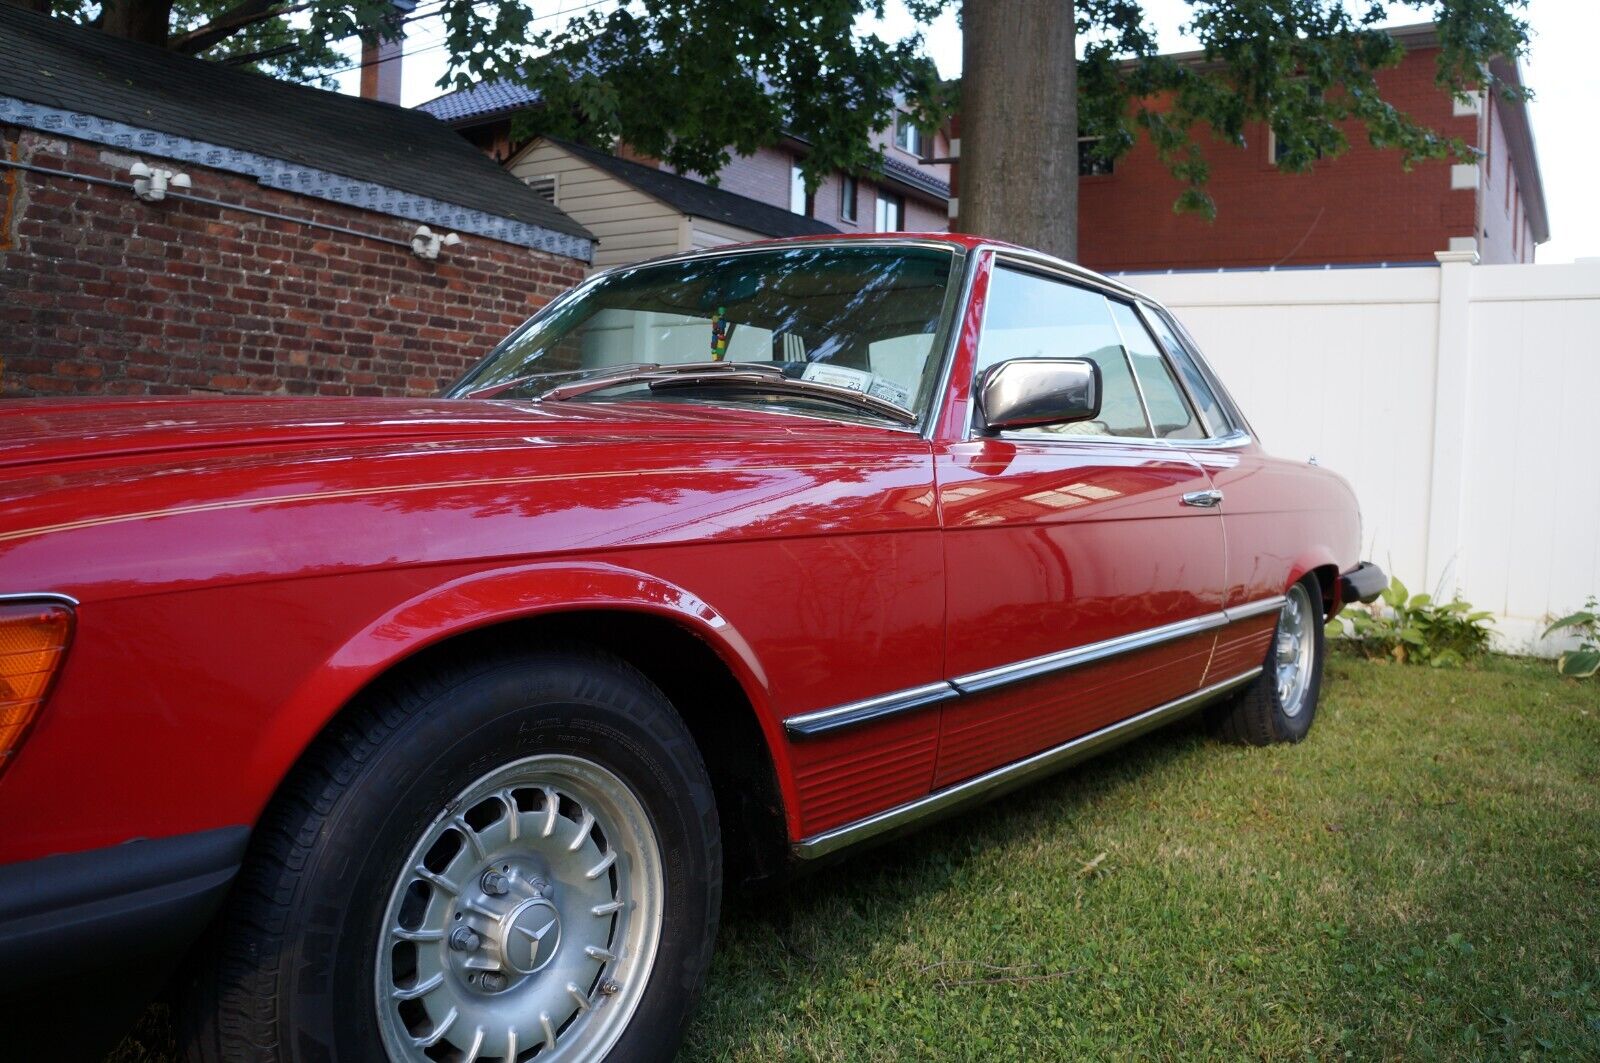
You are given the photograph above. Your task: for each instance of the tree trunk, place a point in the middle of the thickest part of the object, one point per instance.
(145, 21)
(1019, 123)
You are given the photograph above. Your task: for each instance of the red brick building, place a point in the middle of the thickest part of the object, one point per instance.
(287, 264)
(1360, 208)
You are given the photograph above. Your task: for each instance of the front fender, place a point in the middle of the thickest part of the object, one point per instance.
(484, 599)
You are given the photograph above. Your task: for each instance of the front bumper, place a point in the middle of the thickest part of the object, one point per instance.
(88, 938)
(1362, 584)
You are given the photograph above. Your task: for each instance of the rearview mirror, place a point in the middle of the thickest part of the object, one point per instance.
(1028, 392)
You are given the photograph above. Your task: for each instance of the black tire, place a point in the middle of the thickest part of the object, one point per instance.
(1257, 717)
(288, 972)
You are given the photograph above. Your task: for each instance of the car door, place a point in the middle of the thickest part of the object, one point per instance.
(1269, 509)
(1084, 566)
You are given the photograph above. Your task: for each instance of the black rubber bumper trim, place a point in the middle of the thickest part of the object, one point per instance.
(1362, 584)
(64, 915)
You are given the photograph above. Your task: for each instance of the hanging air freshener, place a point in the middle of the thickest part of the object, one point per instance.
(719, 334)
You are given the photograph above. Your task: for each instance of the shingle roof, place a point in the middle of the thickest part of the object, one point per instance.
(908, 174)
(53, 63)
(700, 200)
(482, 100)
(492, 99)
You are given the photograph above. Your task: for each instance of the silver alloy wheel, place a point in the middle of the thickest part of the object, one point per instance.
(526, 919)
(1296, 642)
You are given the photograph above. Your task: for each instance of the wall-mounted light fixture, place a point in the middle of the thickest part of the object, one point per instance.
(426, 243)
(151, 184)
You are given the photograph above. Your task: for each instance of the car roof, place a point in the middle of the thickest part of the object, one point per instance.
(964, 241)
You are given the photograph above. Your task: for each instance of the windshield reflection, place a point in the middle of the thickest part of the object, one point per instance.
(865, 318)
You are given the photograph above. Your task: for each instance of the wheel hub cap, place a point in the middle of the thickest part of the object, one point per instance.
(530, 935)
(526, 918)
(1295, 643)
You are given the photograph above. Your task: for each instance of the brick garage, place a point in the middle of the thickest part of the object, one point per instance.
(104, 293)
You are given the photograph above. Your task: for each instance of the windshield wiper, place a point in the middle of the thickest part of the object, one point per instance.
(746, 376)
(589, 378)
(760, 378)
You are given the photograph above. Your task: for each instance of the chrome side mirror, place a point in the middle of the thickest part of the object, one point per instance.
(1028, 392)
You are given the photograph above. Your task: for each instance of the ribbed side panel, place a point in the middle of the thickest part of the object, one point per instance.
(1242, 646)
(843, 777)
(988, 730)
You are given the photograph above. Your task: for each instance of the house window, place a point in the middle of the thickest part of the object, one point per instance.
(847, 198)
(543, 185)
(799, 201)
(1090, 164)
(891, 216)
(907, 137)
(1276, 149)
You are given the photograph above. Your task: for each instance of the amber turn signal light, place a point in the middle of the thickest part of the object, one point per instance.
(33, 643)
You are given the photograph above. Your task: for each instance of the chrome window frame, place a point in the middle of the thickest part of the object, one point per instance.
(1054, 269)
(1238, 429)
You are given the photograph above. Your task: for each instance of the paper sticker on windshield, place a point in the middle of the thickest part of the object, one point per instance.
(838, 376)
(888, 389)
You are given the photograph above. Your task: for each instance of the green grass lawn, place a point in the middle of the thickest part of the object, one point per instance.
(1419, 879)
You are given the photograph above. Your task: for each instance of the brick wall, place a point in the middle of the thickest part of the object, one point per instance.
(1362, 207)
(101, 293)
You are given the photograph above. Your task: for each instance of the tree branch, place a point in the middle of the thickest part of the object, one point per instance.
(244, 13)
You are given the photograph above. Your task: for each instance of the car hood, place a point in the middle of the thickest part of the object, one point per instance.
(107, 498)
(48, 431)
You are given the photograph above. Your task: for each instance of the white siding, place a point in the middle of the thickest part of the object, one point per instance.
(628, 225)
(706, 233)
(1345, 365)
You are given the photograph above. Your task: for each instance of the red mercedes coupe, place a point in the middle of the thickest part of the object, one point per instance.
(430, 729)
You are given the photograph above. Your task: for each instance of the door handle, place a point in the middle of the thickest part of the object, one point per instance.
(1203, 499)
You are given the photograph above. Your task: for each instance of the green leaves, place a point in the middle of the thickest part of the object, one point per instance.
(1579, 664)
(1413, 629)
(1583, 662)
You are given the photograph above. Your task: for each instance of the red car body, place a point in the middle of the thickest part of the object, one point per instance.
(242, 568)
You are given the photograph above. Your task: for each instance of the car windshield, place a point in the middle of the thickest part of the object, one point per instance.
(823, 323)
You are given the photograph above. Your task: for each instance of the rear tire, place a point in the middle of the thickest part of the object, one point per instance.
(363, 881)
(1280, 704)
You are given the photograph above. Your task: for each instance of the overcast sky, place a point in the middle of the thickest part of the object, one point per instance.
(1561, 70)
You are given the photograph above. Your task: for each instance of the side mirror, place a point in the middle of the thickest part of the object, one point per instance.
(1028, 392)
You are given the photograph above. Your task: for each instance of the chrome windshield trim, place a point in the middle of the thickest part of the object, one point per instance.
(1236, 438)
(1078, 656)
(1249, 609)
(824, 720)
(41, 596)
(992, 783)
(941, 392)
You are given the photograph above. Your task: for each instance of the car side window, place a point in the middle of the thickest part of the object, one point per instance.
(1030, 316)
(1170, 413)
(1193, 379)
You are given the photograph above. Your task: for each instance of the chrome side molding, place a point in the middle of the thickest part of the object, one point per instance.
(1078, 656)
(41, 596)
(995, 782)
(823, 721)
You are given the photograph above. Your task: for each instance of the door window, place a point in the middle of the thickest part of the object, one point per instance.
(1030, 316)
(1193, 379)
(1170, 414)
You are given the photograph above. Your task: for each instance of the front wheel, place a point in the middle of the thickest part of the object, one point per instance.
(1280, 704)
(510, 859)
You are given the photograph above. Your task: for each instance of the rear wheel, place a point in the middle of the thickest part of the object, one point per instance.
(513, 859)
(1281, 703)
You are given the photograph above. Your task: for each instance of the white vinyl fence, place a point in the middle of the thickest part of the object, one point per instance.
(1461, 401)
